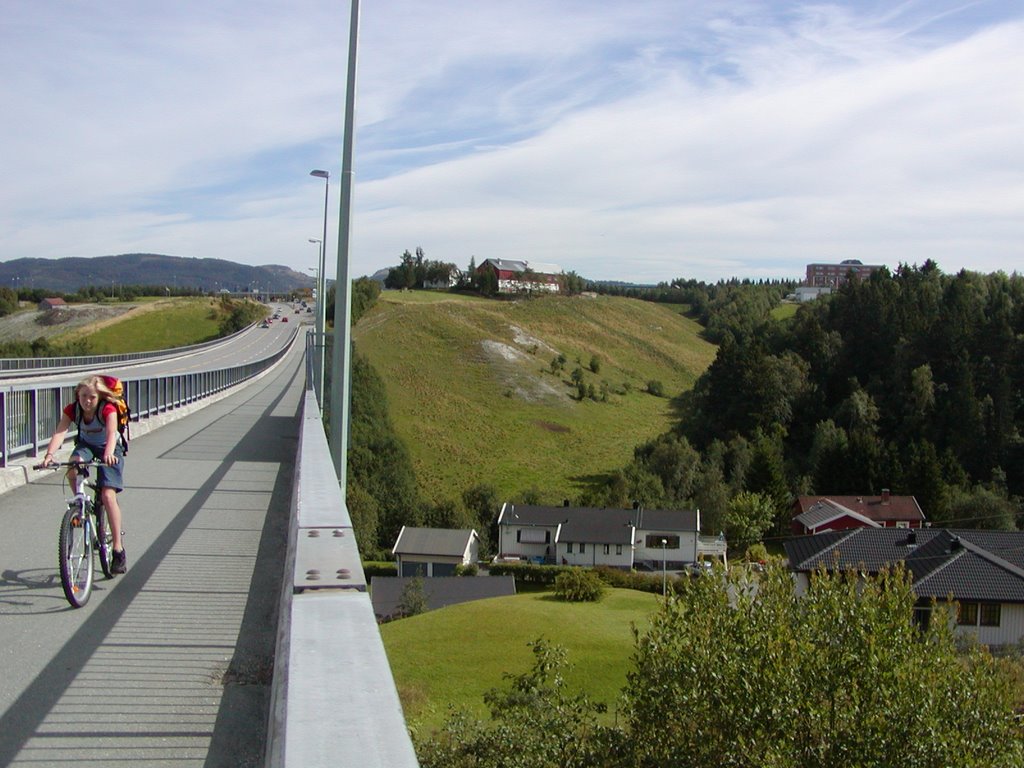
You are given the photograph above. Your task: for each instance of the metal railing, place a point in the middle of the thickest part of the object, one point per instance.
(29, 413)
(333, 697)
(13, 366)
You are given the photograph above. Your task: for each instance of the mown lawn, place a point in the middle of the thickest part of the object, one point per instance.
(450, 657)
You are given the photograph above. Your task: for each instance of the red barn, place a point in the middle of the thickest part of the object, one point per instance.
(515, 276)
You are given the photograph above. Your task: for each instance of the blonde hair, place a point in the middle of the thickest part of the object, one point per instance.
(96, 382)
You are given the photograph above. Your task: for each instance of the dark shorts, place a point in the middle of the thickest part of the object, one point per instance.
(107, 477)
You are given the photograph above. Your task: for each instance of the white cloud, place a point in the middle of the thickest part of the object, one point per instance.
(624, 140)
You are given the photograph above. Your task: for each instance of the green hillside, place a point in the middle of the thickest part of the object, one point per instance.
(160, 324)
(472, 394)
(452, 656)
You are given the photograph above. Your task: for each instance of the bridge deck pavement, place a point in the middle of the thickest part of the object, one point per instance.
(169, 664)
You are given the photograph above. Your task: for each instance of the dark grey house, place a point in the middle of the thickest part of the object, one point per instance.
(981, 571)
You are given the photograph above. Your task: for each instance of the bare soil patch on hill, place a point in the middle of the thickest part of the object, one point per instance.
(31, 324)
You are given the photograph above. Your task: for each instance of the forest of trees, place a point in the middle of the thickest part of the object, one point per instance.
(909, 381)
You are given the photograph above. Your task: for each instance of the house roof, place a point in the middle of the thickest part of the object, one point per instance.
(599, 526)
(445, 542)
(964, 564)
(386, 592)
(826, 511)
(521, 265)
(881, 509)
(669, 520)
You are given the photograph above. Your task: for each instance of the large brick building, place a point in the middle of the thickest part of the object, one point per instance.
(834, 275)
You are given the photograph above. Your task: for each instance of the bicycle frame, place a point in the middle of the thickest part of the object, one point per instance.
(83, 530)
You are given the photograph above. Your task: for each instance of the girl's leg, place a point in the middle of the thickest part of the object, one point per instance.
(109, 498)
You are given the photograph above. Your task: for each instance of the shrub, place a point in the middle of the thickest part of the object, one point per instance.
(579, 585)
(756, 553)
(656, 388)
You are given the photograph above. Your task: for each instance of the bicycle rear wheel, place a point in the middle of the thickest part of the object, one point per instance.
(104, 541)
(74, 552)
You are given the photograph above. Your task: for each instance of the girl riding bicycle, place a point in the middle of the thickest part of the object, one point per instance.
(98, 437)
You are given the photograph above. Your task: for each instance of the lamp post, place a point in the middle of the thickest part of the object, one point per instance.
(321, 341)
(321, 299)
(341, 366)
(664, 570)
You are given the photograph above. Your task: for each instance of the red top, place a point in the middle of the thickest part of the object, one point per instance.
(105, 407)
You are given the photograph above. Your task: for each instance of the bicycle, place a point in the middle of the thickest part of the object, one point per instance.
(83, 530)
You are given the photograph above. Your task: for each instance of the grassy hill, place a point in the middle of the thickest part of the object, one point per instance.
(159, 324)
(451, 656)
(142, 325)
(472, 394)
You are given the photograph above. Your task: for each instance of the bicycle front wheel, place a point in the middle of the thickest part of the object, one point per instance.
(104, 541)
(74, 552)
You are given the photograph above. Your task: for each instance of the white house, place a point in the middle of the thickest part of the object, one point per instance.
(434, 551)
(618, 538)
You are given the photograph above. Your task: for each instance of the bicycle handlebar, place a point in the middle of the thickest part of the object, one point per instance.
(58, 464)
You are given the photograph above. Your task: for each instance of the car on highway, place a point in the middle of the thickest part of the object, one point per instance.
(264, 324)
(284, 319)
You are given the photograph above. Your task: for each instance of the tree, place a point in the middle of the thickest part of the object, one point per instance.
(482, 502)
(535, 723)
(840, 676)
(748, 517)
(579, 585)
(378, 461)
(413, 600)
(365, 514)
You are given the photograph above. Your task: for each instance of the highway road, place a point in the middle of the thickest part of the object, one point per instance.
(169, 664)
(254, 344)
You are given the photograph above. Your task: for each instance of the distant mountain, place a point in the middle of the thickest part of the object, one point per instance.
(70, 274)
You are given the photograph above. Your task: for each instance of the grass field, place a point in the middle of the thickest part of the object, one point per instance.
(785, 311)
(162, 324)
(472, 394)
(451, 656)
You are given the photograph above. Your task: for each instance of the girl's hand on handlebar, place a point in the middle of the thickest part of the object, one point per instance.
(109, 458)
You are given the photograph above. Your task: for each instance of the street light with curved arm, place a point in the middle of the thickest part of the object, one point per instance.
(321, 299)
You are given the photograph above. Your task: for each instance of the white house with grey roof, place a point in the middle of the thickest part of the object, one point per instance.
(434, 551)
(981, 571)
(618, 538)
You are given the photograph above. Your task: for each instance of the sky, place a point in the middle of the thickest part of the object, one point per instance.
(633, 140)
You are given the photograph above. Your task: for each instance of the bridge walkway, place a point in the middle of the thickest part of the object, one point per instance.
(171, 663)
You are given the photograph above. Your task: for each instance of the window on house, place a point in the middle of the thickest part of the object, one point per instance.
(967, 615)
(618, 549)
(533, 536)
(583, 548)
(990, 614)
(568, 548)
(607, 548)
(654, 541)
(922, 617)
